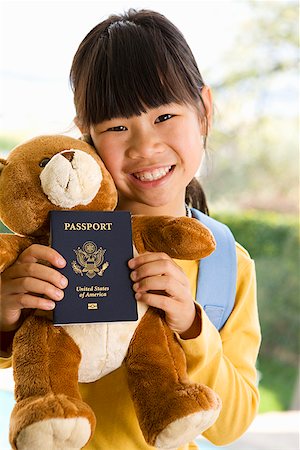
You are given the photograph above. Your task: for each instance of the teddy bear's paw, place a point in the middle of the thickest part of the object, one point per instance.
(52, 422)
(55, 434)
(186, 429)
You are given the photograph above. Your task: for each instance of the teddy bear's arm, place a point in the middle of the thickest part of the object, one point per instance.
(11, 246)
(179, 237)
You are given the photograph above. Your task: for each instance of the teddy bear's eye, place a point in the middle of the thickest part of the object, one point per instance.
(44, 162)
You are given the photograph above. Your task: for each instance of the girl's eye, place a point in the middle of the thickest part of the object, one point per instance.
(119, 128)
(163, 118)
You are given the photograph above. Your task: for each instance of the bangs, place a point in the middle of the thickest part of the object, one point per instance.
(134, 68)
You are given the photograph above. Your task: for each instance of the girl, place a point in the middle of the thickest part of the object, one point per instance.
(141, 101)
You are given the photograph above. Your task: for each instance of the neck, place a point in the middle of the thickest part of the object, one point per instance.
(176, 210)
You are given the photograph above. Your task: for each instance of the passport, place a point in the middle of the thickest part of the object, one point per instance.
(97, 246)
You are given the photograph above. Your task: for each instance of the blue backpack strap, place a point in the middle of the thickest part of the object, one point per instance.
(216, 285)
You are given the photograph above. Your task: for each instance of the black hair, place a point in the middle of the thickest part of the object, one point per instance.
(131, 62)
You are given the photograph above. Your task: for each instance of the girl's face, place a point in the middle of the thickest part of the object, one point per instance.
(152, 157)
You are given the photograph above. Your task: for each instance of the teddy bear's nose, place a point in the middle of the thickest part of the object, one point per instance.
(68, 155)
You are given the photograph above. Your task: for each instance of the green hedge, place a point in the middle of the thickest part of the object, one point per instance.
(262, 233)
(273, 242)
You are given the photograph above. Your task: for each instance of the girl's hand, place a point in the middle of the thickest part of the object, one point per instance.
(158, 272)
(25, 282)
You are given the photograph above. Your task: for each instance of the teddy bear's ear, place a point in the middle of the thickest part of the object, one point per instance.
(3, 163)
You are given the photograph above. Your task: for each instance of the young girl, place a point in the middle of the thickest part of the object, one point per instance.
(141, 101)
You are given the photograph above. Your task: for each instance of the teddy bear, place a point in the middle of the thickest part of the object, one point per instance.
(49, 173)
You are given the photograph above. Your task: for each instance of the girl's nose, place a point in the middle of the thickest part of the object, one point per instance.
(144, 145)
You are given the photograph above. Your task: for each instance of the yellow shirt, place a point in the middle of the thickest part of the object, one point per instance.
(223, 360)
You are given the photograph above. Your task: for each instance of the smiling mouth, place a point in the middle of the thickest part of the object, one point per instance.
(153, 175)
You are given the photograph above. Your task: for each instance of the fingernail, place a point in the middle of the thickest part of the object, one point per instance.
(63, 282)
(131, 263)
(61, 261)
(49, 305)
(135, 286)
(138, 295)
(133, 275)
(58, 294)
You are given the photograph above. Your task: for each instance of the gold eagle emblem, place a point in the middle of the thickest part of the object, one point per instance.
(89, 258)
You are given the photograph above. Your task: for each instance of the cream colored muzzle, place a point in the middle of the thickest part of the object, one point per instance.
(71, 177)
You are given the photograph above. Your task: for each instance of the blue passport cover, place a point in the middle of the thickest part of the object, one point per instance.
(97, 246)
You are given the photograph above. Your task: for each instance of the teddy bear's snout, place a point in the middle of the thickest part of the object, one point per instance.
(72, 177)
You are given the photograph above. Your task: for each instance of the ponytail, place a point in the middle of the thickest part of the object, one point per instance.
(195, 196)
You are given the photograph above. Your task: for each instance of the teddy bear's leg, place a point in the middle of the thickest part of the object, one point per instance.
(49, 412)
(171, 410)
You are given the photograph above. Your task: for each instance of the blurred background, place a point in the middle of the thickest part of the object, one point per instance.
(248, 52)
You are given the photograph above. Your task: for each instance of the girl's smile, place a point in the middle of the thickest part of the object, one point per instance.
(153, 174)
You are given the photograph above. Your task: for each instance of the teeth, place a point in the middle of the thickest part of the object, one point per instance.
(154, 175)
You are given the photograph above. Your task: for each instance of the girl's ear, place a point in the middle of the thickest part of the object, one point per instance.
(85, 134)
(80, 126)
(207, 98)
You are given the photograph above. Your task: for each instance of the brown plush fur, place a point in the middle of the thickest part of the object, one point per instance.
(53, 391)
(10, 247)
(45, 358)
(165, 394)
(23, 192)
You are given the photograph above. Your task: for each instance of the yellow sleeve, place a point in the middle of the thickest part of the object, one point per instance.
(225, 361)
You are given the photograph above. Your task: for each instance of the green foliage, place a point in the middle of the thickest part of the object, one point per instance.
(264, 234)
(273, 242)
(277, 384)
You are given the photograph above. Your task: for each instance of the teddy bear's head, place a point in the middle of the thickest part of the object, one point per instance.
(51, 173)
